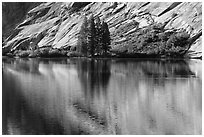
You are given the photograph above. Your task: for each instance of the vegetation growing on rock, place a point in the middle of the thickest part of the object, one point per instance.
(136, 29)
(155, 40)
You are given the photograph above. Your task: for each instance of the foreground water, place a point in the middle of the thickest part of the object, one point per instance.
(101, 96)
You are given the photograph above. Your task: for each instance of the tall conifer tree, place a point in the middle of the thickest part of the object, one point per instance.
(91, 36)
(105, 38)
(94, 37)
(82, 38)
(98, 38)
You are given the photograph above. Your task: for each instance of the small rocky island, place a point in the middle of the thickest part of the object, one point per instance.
(107, 29)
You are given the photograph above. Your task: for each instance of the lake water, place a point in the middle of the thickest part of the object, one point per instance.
(101, 96)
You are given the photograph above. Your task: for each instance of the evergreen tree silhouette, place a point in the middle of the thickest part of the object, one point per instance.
(105, 38)
(98, 37)
(91, 36)
(82, 38)
(94, 37)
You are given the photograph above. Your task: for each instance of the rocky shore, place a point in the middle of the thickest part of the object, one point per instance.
(137, 29)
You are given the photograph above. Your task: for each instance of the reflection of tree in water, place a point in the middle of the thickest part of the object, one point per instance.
(94, 74)
(160, 71)
(157, 70)
(154, 80)
(103, 109)
(166, 68)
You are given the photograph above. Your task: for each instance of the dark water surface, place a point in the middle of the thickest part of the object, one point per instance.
(101, 96)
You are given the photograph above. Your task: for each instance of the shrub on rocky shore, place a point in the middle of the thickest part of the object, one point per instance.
(154, 40)
(23, 53)
(43, 52)
(34, 54)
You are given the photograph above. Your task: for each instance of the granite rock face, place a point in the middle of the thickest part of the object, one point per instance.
(57, 25)
(13, 13)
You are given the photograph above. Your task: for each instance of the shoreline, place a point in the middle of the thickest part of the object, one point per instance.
(130, 58)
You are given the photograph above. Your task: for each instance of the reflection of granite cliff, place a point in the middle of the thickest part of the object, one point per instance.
(130, 105)
(153, 69)
(57, 24)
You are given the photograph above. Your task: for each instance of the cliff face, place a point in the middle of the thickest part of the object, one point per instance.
(57, 25)
(13, 13)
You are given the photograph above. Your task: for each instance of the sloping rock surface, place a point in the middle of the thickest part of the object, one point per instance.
(13, 13)
(57, 25)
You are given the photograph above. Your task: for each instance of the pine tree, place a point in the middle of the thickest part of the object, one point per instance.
(94, 37)
(105, 38)
(91, 36)
(98, 37)
(82, 38)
